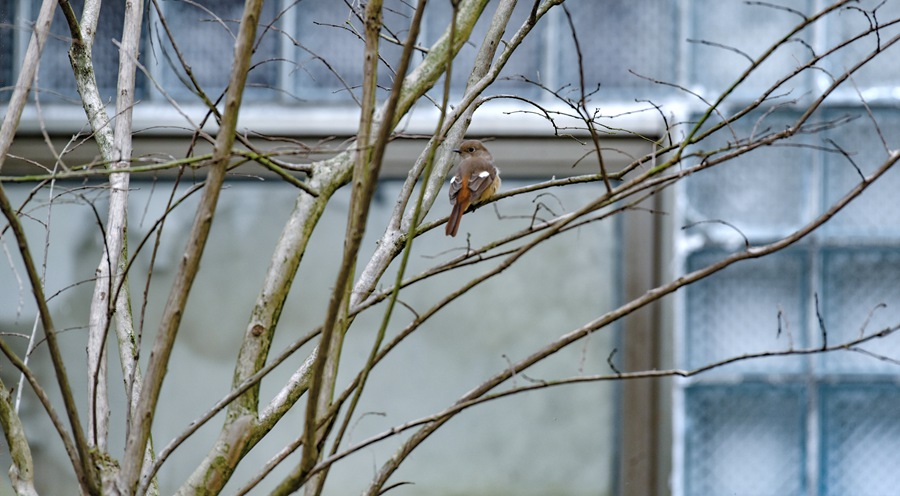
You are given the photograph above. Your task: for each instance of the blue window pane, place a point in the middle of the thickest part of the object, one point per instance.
(329, 50)
(855, 283)
(752, 29)
(746, 440)
(736, 312)
(763, 193)
(612, 51)
(874, 213)
(876, 79)
(56, 82)
(7, 48)
(526, 61)
(860, 439)
(205, 34)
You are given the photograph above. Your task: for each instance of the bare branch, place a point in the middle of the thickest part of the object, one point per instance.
(71, 449)
(778, 7)
(171, 318)
(724, 47)
(463, 404)
(21, 473)
(724, 223)
(822, 329)
(582, 102)
(370, 361)
(365, 170)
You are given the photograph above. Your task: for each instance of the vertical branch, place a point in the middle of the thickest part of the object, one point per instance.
(116, 230)
(142, 417)
(385, 128)
(85, 472)
(21, 474)
(365, 173)
(117, 224)
(115, 148)
(81, 58)
(484, 71)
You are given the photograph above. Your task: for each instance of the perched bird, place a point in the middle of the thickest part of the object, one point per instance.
(476, 180)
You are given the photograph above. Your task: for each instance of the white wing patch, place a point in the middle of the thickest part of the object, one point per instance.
(484, 174)
(454, 179)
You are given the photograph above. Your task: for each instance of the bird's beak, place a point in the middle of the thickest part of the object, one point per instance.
(456, 150)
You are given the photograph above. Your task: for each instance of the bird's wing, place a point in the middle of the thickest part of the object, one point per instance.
(455, 185)
(479, 183)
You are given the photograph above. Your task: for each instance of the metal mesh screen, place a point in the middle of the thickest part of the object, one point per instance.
(527, 60)
(749, 28)
(855, 283)
(618, 37)
(761, 193)
(745, 440)
(56, 82)
(860, 439)
(883, 74)
(736, 311)
(874, 214)
(7, 47)
(204, 33)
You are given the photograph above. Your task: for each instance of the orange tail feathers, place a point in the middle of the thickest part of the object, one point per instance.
(459, 208)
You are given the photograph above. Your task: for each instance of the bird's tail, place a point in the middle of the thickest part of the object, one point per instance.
(455, 216)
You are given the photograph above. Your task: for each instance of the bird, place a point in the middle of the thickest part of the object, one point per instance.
(476, 180)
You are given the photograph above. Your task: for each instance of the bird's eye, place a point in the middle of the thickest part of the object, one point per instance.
(471, 149)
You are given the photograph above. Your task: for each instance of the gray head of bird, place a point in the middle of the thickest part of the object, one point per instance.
(472, 148)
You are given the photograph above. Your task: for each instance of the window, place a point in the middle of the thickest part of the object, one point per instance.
(7, 18)
(55, 83)
(309, 52)
(802, 424)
